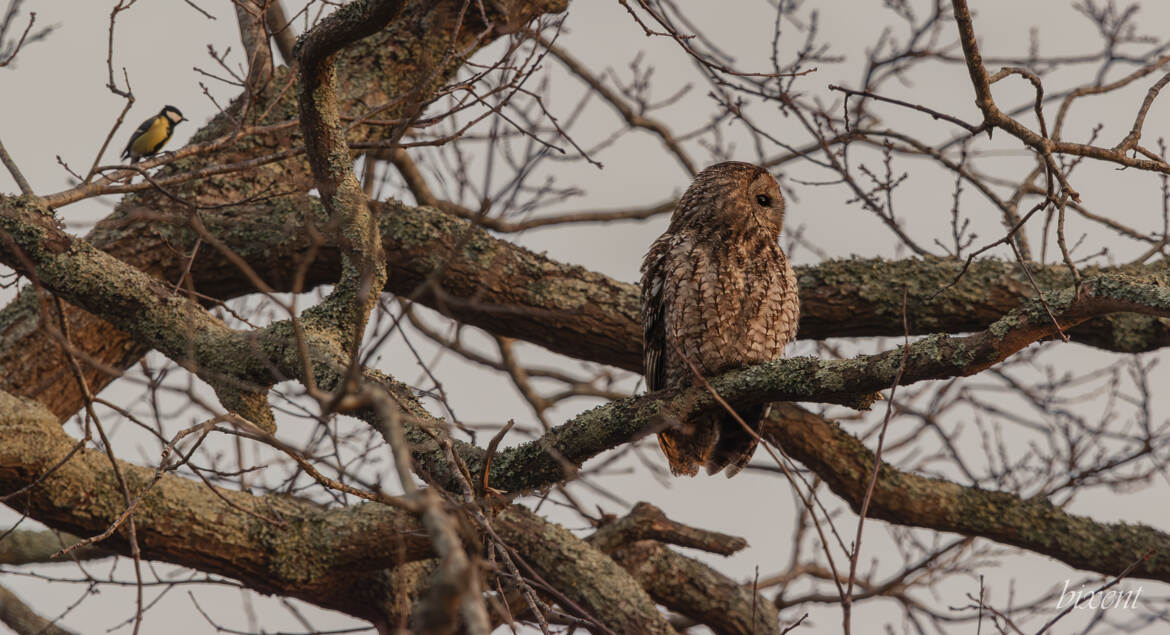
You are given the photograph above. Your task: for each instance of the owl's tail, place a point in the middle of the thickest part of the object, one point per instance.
(716, 441)
(736, 445)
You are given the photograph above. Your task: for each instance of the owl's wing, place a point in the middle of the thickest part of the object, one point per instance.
(685, 444)
(654, 318)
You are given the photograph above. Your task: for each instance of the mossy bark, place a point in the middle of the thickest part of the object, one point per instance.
(271, 543)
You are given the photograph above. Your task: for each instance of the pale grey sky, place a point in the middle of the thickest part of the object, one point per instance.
(56, 105)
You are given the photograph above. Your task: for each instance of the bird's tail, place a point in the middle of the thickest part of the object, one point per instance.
(715, 440)
(736, 444)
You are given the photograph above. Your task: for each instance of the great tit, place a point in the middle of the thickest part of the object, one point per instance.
(153, 134)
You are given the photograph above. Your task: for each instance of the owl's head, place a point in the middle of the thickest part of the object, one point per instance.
(735, 195)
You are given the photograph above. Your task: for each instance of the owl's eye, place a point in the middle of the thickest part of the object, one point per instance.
(764, 200)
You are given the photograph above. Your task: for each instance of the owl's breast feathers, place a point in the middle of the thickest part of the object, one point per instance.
(723, 300)
(723, 303)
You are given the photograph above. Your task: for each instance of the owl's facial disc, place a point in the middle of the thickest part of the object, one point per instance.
(766, 201)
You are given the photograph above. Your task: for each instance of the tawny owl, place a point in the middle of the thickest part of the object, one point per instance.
(717, 288)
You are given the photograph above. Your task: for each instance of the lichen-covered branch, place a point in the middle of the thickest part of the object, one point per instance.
(697, 591)
(363, 270)
(510, 291)
(647, 522)
(585, 575)
(418, 45)
(847, 381)
(272, 543)
(1035, 525)
(530, 465)
(902, 498)
(156, 316)
(33, 243)
(685, 585)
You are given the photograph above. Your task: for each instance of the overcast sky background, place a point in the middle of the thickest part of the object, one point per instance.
(55, 104)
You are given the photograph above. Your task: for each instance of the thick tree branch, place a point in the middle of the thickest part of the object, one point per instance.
(684, 584)
(903, 498)
(1032, 525)
(272, 543)
(647, 522)
(363, 267)
(848, 381)
(510, 291)
(280, 28)
(697, 591)
(584, 574)
(154, 314)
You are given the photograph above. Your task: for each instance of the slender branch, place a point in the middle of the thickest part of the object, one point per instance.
(281, 29)
(14, 170)
(993, 117)
(628, 114)
(920, 108)
(251, 18)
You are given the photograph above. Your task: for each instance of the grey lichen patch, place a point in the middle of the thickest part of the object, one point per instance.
(563, 293)
(932, 348)
(807, 374)
(881, 281)
(963, 357)
(793, 376)
(613, 420)
(27, 202)
(416, 227)
(1128, 332)
(301, 551)
(479, 248)
(1146, 291)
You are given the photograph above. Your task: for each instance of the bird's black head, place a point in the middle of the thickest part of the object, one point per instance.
(172, 113)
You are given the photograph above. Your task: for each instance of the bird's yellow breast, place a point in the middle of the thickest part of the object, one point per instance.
(149, 141)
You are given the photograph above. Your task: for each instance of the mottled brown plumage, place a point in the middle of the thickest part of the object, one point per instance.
(717, 288)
